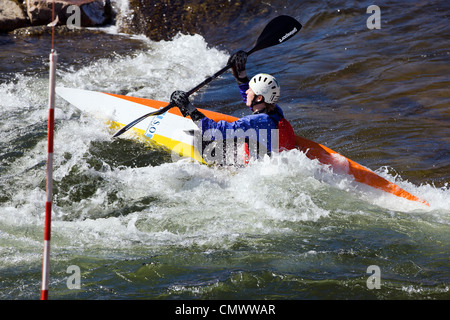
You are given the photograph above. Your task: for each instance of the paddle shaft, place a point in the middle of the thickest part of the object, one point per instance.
(171, 105)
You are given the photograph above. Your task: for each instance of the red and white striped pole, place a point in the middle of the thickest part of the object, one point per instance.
(49, 186)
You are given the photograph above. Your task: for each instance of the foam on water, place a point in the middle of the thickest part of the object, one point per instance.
(25, 106)
(166, 66)
(171, 204)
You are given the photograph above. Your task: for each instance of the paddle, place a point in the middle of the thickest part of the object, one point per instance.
(277, 31)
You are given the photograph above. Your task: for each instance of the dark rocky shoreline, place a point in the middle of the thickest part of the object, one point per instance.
(161, 20)
(18, 14)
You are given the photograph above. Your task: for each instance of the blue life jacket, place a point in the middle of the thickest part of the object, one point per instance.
(269, 132)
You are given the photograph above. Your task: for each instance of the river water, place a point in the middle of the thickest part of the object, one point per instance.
(139, 226)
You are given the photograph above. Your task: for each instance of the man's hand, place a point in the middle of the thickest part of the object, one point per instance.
(181, 100)
(238, 61)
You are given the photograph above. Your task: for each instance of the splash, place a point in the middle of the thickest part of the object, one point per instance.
(153, 73)
(109, 201)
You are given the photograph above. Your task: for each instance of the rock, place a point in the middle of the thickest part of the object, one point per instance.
(63, 30)
(91, 12)
(12, 16)
(163, 19)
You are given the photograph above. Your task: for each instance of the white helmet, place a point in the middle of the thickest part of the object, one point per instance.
(267, 86)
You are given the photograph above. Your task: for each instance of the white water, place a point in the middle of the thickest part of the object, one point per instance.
(166, 66)
(195, 205)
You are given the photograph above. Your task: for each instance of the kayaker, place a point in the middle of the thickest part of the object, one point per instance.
(263, 132)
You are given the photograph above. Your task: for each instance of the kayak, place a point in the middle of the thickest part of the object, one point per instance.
(174, 132)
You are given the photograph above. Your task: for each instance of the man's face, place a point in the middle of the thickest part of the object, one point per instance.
(250, 97)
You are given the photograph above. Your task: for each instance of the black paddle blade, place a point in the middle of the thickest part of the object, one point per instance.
(277, 31)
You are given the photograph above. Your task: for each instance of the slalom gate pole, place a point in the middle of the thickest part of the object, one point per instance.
(49, 185)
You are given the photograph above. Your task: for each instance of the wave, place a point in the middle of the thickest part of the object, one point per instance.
(118, 200)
